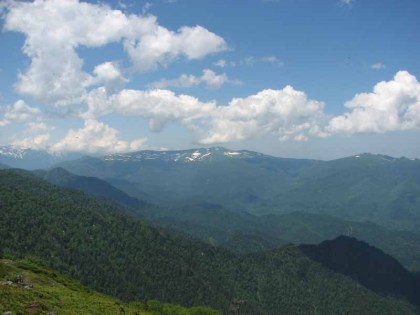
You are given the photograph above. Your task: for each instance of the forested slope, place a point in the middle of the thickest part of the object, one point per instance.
(118, 254)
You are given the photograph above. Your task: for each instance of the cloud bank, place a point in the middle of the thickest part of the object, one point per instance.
(55, 30)
(393, 105)
(287, 113)
(209, 79)
(95, 137)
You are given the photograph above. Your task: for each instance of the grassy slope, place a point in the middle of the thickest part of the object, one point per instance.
(49, 292)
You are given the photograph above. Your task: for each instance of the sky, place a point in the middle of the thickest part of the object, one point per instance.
(292, 78)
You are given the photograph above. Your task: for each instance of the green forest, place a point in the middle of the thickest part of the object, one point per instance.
(111, 250)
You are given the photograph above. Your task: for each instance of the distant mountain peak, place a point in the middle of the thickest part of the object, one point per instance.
(14, 151)
(182, 156)
(27, 158)
(379, 157)
(372, 155)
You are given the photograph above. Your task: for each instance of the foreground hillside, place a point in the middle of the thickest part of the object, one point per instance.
(117, 254)
(28, 287)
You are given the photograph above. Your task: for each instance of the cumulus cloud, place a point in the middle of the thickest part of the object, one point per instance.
(249, 61)
(209, 79)
(378, 66)
(221, 63)
(393, 105)
(37, 142)
(160, 46)
(19, 112)
(215, 81)
(183, 81)
(286, 113)
(109, 75)
(95, 137)
(160, 106)
(55, 29)
(34, 127)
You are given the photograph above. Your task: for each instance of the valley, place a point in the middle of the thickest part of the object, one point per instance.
(201, 253)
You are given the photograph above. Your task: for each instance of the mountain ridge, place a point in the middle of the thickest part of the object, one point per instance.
(368, 265)
(366, 187)
(16, 152)
(24, 157)
(120, 254)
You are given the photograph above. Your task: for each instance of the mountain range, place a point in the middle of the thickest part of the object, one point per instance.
(243, 232)
(26, 158)
(111, 249)
(221, 227)
(365, 187)
(228, 197)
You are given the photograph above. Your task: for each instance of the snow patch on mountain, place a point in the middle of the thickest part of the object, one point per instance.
(182, 156)
(21, 157)
(232, 153)
(14, 152)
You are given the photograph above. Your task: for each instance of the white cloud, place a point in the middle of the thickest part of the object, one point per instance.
(286, 113)
(36, 142)
(99, 103)
(19, 112)
(183, 81)
(160, 106)
(160, 46)
(378, 66)
(346, 2)
(95, 137)
(221, 63)
(4, 123)
(109, 74)
(393, 105)
(215, 81)
(271, 59)
(209, 78)
(34, 127)
(54, 29)
(250, 61)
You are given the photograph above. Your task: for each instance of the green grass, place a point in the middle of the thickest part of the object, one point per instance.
(44, 291)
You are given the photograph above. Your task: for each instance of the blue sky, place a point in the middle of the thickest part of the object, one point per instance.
(318, 79)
